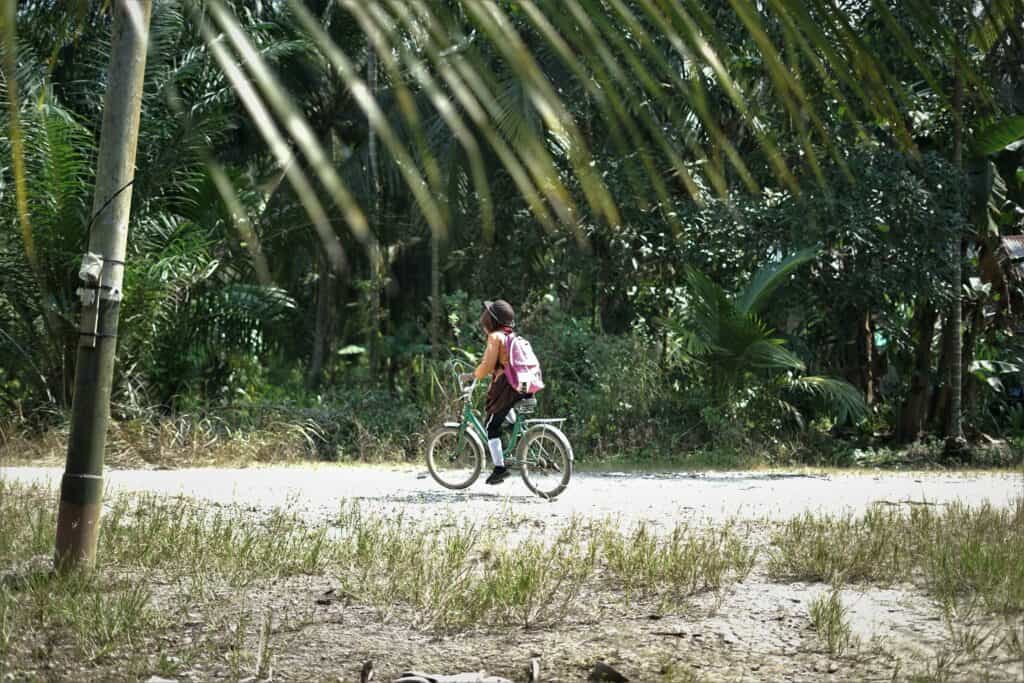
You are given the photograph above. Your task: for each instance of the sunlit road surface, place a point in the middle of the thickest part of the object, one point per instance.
(316, 491)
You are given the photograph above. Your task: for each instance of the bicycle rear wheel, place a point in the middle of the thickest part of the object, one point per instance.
(546, 457)
(454, 461)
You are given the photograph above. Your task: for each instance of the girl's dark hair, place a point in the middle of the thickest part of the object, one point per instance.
(498, 314)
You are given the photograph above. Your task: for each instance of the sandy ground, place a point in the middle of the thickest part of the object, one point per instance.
(759, 631)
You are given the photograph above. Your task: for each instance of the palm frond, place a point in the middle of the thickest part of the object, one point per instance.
(771, 354)
(999, 136)
(775, 405)
(769, 278)
(842, 397)
(711, 304)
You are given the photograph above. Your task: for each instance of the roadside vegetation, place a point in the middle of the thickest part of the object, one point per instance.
(165, 561)
(951, 552)
(183, 586)
(967, 559)
(737, 234)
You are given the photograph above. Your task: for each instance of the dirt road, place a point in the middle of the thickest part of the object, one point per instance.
(316, 491)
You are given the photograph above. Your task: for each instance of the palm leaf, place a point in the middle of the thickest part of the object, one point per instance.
(711, 303)
(843, 398)
(771, 354)
(998, 136)
(769, 278)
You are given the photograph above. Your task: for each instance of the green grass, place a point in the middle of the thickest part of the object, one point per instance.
(92, 615)
(829, 619)
(162, 559)
(679, 564)
(954, 552)
(966, 558)
(167, 562)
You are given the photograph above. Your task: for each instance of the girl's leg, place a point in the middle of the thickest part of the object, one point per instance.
(493, 425)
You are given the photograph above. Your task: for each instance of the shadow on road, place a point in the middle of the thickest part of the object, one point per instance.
(726, 477)
(432, 497)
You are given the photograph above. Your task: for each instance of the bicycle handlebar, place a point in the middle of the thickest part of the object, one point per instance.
(458, 369)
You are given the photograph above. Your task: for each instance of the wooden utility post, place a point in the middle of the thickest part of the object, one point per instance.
(102, 273)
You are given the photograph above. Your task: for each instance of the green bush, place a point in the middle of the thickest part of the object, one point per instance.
(609, 387)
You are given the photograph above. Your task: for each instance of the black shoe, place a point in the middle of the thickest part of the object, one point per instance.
(498, 475)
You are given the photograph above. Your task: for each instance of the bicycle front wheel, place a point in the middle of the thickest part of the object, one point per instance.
(546, 457)
(454, 460)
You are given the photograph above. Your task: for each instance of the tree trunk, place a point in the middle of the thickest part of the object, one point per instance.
(954, 428)
(435, 296)
(971, 334)
(914, 409)
(857, 354)
(374, 250)
(82, 486)
(866, 356)
(324, 330)
(938, 408)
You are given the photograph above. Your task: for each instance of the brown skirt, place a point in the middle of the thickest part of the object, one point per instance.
(500, 396)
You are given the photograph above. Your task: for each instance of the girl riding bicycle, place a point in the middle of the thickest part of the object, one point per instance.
(498, 320)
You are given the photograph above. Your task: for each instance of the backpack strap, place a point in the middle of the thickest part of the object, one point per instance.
(506, 370)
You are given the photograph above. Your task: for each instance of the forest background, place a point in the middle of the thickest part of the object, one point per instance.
(799, 248)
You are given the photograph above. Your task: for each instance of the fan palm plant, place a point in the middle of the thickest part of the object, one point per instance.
(37, 262)
(746, 364)
(181, 268)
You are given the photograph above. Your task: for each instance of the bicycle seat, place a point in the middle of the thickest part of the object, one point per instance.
(527, 406)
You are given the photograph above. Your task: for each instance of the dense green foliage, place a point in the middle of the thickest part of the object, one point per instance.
(869, 139)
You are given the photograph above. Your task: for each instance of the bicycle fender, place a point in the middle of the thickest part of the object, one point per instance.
(548, 428)
(463, 429)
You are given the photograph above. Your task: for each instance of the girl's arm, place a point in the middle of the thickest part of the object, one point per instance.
(490, 359)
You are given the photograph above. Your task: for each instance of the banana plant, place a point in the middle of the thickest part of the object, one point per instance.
(989, 214)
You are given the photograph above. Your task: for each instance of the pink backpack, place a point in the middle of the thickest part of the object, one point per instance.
(523, 369)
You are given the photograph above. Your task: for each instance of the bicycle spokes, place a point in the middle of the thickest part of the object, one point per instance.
(547, 462)
(454, 457)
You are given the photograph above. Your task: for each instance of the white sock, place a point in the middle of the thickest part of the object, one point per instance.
(496, 456)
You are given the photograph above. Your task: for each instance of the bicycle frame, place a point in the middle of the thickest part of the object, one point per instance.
(470, 421)
(552, 454)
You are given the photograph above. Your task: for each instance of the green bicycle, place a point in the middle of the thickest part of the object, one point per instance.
(537, 448)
